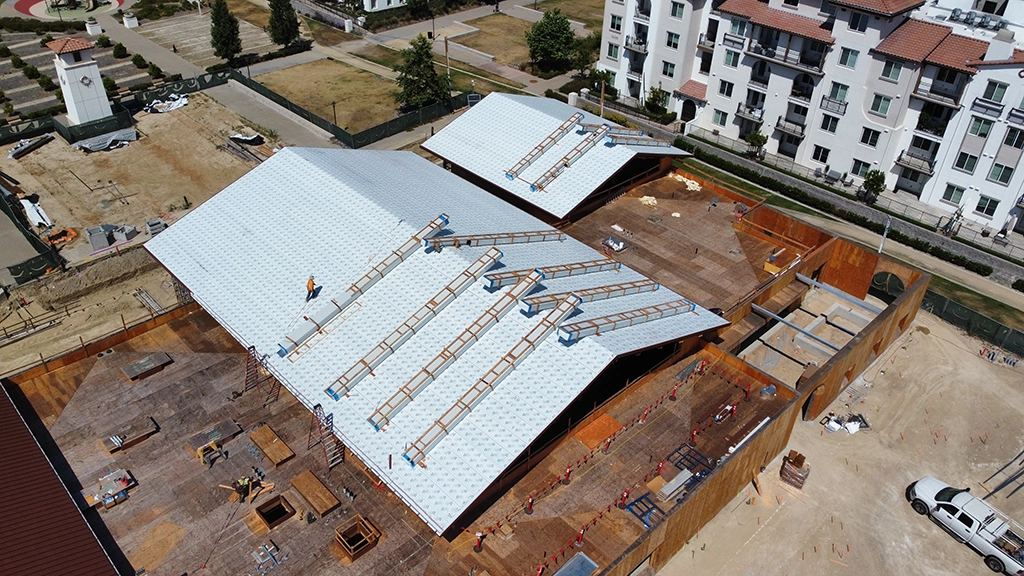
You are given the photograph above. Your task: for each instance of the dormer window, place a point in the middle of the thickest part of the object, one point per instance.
(858, 21)
(76, 56)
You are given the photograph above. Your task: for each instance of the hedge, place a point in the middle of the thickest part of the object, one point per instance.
(799, 195)
(552, 94)
(16, 24)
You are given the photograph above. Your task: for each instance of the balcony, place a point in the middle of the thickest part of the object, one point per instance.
(830, 104)
(1020, 202)
(1016, 115)
(734, 41)
(917, 160)
(791, 127)
(940, 93)
(759, 81)
(642, 16)
(706, 43)
(987, 107)
(802, 93)
(750, 113)
(638, 45)
(810, 62)
(933, 126)
(634, 74)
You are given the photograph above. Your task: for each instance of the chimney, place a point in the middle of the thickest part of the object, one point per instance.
(1001, 47)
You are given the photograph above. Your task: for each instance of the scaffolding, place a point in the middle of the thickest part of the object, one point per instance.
(475, 395)
(319, 320)
(536, 304)
(502, 279)
(389, 409)
(406, 330)
(321, 431)
(631, 140)
(544, 146)
(573, 332)
(494, 239)
(613, 130)
(569, 159)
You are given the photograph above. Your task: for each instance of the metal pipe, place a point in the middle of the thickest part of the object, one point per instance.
(837, 292)
(778, 318)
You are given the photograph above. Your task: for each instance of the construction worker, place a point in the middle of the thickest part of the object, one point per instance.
(310, 289)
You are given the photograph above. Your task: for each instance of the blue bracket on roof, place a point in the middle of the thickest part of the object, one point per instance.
(330, 392)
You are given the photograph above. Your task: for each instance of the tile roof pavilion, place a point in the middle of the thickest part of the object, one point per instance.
(436, 344)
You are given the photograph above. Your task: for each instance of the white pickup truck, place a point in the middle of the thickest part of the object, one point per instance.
(971, 521)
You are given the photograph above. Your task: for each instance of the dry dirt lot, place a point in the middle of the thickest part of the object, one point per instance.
(936, 408)
(501, 36)
(364, 100)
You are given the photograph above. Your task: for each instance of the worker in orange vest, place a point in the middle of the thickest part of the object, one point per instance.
(310, 289)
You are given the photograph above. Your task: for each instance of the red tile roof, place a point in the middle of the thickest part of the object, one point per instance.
(761, 14)
(914, 40)
(43, 530)
(1018, 58)
(955, 51)
(66, 45)
(886, 7)
(694, 89)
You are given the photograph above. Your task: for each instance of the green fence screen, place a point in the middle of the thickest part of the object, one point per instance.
(974, 323)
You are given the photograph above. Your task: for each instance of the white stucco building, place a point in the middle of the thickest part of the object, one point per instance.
(80, 81)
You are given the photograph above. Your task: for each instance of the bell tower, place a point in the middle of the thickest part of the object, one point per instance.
(80, 80)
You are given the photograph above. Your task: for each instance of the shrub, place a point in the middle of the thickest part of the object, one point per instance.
(103, 41)
(109, 85)
(173, 78)
(9, 108)
(155, 71)
(30, 72)
(120, 51)
(46, 83)
(1018, 284)
(17, 62)
(59, 94)
(5, 52)
(139, 61)
(552, 94)
(16, 24)
(44, 40)
(140, 87)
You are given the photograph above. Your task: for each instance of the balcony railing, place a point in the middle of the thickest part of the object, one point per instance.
(1020, 202)
(933, 126)
(987, 107)
(734, 41)
(806, 63)
(759, 81)
(638, 45)
(917, 160)
(1016, 115)
(790, 127)
(704, 42)
(802, 93)
(830, 104)
(634, 74)
(641, 16)
(749, 112)
(940, 93)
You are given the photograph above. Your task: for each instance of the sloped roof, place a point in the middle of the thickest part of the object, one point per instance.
(955, 51)
(66, 45)
(694, 89)
(246, 254)
(43, 530)
(914, 40)
(885, 7)
(1018, 58)
(760, 13)
(490, 139)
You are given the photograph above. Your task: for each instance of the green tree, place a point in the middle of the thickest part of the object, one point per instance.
(120, 51)
(139, 61)
(419, 81)
(874, 185)
(224, 31)
(551, 41)
(284, 24)
(756, 140)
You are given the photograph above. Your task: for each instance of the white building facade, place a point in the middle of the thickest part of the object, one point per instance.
(929, 95)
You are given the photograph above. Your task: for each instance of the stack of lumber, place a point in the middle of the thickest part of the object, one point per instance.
(795, 469)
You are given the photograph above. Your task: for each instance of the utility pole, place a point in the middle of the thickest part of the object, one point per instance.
(335, 111)
(885, 233)
(447, 59)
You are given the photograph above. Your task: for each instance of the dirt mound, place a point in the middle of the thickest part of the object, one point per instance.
(69, 286)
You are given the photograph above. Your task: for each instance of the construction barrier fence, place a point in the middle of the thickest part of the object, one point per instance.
(974, 323)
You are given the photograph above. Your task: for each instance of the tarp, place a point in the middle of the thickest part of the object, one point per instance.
(173, 102)
(35, 214)
(108, 140)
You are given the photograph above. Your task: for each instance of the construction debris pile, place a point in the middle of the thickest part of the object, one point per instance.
(852, 423)
(795, 469)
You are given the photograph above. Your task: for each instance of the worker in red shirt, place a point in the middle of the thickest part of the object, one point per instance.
(310, 289)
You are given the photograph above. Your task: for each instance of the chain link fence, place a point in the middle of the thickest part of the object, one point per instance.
(974, 323)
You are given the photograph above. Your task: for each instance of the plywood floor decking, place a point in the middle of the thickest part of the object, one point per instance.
(698, 255)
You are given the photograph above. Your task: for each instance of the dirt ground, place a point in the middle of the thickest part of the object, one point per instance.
(501, 36)
(363, 100)
(176, 156)
(936, 408)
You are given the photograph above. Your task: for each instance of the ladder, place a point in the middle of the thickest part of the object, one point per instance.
(321, 431)
(255, 379)
(181, 293)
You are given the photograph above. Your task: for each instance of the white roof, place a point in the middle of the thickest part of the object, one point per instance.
(495, 134)
(246, 254)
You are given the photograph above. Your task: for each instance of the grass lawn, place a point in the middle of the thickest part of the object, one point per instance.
(461, 81)
(501, 36)
(244, 10)
(363, 99)
(994, 309)
(590, 12)
(325, 35)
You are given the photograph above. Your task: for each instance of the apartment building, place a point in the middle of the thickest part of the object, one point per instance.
(928, 94)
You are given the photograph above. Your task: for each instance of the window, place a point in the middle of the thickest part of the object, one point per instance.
(949, 509)
(1014, 137)
(821, 154)
(613, 51)
(668, 69)
(677, 9)
(953, 194)
(870, 137)
(616, 24)
(947, 75)
(1000, 173)
(76, 56)
(987, 206)
(858, 21)
(995, 91)
(720, 117)
(880, 104)
(980, 127)
(829, 123)
(827, 8)
(739, 27)
(966, 162)
(848, 57)
(966, 520)
(725, 88)
(860, 168)
(673, 40)
(793, 3)
(838, 92)
(891, 70)
(732, 58)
